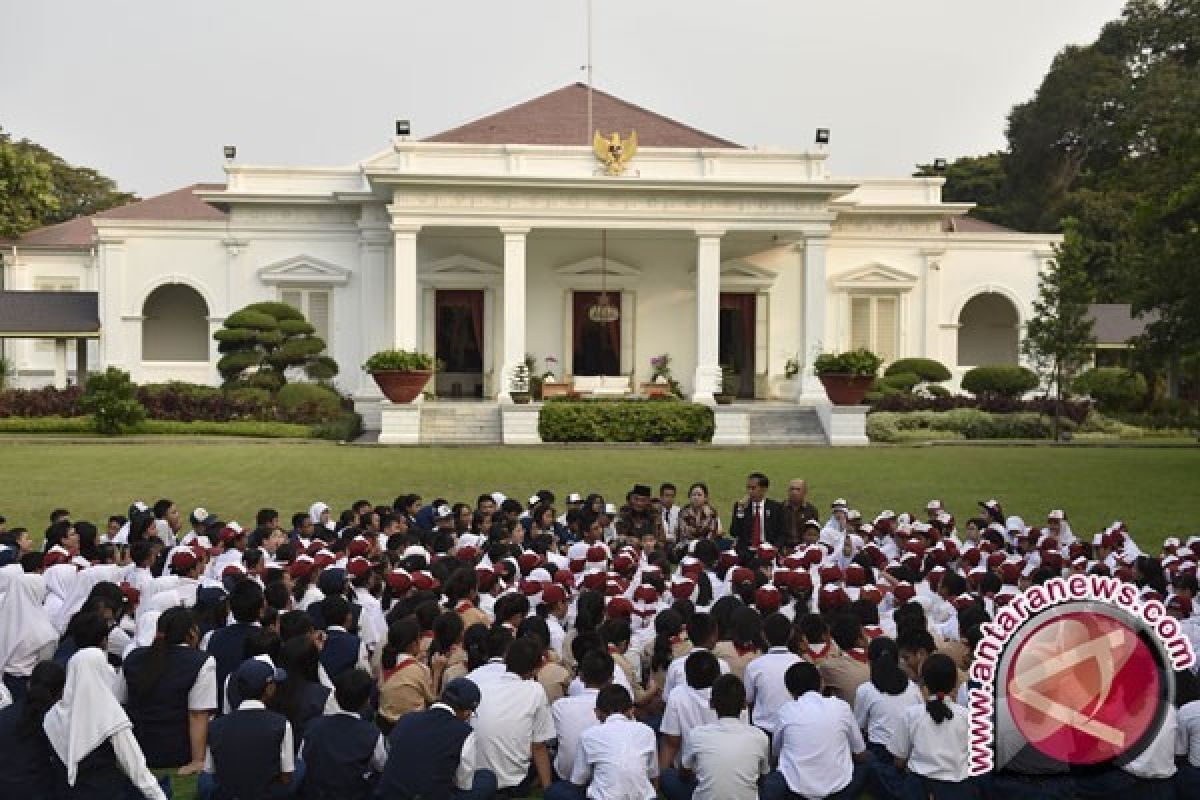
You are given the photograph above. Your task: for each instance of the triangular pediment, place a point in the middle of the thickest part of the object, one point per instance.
(595, 266)
(304, 269)
(876, 276)
(461, 264)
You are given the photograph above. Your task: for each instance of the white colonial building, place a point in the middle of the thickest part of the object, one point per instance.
(490, 241)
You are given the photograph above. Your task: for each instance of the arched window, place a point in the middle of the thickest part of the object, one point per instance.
(175, 325)
(988, 331)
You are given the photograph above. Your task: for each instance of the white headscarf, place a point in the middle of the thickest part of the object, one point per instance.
(147, 619)
(316, 510)
(24, 627)
(85, 581)
(59, 581)
(88, 713)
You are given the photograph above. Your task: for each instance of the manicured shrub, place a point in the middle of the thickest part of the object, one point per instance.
(966, 423)
(926, 369)
(625, 421)
(1076, 410)
(295, 396)
(1113, 388)
(111, 400)
(1003, 380)
(345, 427)
(899, 382)
(44, 402)
(250, 395)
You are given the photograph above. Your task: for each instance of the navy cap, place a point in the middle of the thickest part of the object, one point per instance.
(253, 676)
(210, 595)
(462, 693)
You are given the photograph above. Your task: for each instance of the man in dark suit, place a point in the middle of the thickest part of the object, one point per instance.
(757, 520)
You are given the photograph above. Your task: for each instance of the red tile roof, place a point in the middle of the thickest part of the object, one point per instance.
(560, 118)
(181, 204)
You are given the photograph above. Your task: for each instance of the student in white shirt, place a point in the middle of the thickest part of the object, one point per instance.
(931, 740)
(817, 743)
(879, 706)
(765, 690)
(577, 712)
(723, 760)
(1187, 736)
(688, 707)
(615, 759)
(513, 723)
(702, 630)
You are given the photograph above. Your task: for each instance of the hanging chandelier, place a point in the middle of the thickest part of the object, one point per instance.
(603, 311)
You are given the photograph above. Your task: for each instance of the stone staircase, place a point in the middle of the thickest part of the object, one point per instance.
(784, 424)
(445, 422)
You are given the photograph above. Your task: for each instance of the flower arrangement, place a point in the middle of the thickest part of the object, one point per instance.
(551, 364)
(791, 367)
(519, 380)
(660, 372)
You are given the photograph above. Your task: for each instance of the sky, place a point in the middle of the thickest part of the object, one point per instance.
(149, 91)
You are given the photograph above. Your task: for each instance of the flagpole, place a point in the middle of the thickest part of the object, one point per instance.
(588, 137)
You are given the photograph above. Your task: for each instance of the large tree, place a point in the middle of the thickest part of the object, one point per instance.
(979, 180)
(262, 341)
(37, 187)
(1058, 337)
(26, 192)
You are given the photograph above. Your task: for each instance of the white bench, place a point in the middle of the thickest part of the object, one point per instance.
(602, 385)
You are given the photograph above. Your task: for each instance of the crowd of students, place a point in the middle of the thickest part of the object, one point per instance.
(436, 650)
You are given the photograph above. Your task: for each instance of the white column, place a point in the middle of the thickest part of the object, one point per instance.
(708, 316)
(111, 258)
(372, 301)
(815, 297)
(930, 335)
(404, 286)
(514, 307)
(60, 363)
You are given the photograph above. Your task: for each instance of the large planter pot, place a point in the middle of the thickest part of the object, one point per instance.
(723, 399)
(520, 398)
(401, 387)
(846, 390)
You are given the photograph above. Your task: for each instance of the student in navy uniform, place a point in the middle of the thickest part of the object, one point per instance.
(343, 650)
(227, 645)
(168, 690)
(432, 752)
(93, 738)
(301, 698)
(343, 752)
(30, 770)
(250, 753)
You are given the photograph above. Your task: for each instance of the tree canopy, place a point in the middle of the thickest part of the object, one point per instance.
(38, 187)
(262, 341)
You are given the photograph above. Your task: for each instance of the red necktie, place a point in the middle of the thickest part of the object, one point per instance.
(755, 528)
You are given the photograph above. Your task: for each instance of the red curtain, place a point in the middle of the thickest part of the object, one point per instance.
(580, 303)
(472, 300)
(744, 303)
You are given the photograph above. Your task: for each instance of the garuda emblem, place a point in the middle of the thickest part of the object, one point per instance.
(613, 152)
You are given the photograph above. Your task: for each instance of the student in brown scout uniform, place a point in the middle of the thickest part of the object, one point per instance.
(405, 684)
(848, 670)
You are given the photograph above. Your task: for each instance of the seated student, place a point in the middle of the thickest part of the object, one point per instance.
(702, 630)
(930, 741)
(169, 689)
(845, 672)
(764, 675)
(1187, 699)
(405, 684)
(343, 650)
(432, 753)
(817, 743)
(250, 752)
(227, 645)
(688, 707)
(344, 753)
(576, 713)
(616, 759)
(513, 721)
(29, 768)
(879, 706)
(728, 757)
(93, 738)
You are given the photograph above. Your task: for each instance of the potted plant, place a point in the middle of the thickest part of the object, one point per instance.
(663, 382)
(729, 384)
(401, 374)
(533, 378)
(788, 389)
(518, 384)
(847, 376)
(549, 375)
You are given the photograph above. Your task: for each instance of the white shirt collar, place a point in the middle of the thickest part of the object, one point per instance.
(251, 705)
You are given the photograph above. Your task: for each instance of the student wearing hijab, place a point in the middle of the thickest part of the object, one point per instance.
(93, 738)
(26, 633)
(169, 689)
(30, 770)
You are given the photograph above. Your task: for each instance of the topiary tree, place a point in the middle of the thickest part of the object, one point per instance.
(1004, 380)
(262, 341)
(111, 399)
(926, 369)
(1113, 388)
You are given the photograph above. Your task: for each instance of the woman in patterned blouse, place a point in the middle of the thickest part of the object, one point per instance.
(698, 519)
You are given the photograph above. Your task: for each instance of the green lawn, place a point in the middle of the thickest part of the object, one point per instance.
(1156, 490)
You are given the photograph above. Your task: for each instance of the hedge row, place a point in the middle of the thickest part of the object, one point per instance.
(622, 421)
(305, 404)
(962, 423)
(1075, 410)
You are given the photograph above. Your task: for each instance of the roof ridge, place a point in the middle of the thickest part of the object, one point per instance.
(645, 110)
